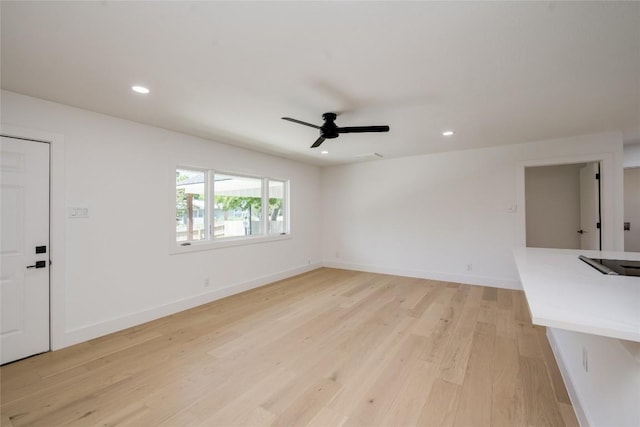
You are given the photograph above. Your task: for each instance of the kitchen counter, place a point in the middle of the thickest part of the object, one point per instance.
(564, 292)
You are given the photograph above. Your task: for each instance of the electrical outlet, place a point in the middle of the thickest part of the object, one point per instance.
(207, 282)
(469, 267)
(308, 262)
(337, 254)
(585, 359)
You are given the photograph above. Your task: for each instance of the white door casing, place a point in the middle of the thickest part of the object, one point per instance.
(589, 206)
(24, 292)
(611, 205)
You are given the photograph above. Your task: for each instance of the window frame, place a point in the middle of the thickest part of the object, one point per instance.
(207, 195)
(285, 206)
(212, 180)
(211, 242)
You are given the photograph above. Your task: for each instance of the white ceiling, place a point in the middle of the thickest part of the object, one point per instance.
(495, 72)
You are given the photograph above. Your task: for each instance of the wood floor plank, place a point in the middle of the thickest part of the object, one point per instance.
(181, 419)
(528, 344)
(126, 415)
(488, 314)
(540, 406)
(490, 294)
(552, 368)
(520, 307)
(327, 417)
(255, 418)
(379, 398)
(328, 347)
(506, 397)
(454, 362)
(439, 323)
(5, 421)
(407, 410)
(429, 298)
(568, 415)
(439, 409)
(274, 382)
(361, 369)
(474, 403)
(504, 299)
(506, 325)
(308, 403)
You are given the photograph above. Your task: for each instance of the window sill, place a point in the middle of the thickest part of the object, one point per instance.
(225, 243)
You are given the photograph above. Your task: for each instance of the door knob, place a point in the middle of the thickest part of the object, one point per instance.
(38, 264)
(581, 231)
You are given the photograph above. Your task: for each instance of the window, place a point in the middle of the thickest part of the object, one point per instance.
(214, 206)
(191, 205)
(276, 224)
(238, 206)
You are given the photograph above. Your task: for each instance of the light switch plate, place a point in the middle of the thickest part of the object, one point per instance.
(77, 212)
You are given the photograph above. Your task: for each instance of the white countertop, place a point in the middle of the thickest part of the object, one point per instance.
(564, 292)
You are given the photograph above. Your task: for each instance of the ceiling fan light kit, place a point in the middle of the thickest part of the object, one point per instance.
(330, 130)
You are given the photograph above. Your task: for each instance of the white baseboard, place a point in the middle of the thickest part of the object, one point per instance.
(96, 330)
(566, 377)
(432, 275)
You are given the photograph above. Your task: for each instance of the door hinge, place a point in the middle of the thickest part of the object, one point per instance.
(598, 225)
(597, 176)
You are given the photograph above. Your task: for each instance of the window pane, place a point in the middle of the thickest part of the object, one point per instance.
(238, 206)
(190, 205)
(276, 207)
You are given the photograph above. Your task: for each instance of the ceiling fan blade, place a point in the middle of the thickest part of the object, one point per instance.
(357, 129)
(318, 142)
(300, 122)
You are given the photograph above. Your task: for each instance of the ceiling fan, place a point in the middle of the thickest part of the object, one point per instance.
(329, 129)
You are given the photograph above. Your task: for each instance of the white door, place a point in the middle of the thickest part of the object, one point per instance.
(24, 248)
(590, 206)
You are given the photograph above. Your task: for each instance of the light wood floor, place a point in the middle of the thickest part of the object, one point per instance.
(327, 348)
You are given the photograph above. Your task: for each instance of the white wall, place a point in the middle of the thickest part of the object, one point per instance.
(632, 155)
(553, 206)
(608, 393)
(114, 269)
(434, 215)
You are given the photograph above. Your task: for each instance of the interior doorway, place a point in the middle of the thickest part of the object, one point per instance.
(632, 209)
(562, 203)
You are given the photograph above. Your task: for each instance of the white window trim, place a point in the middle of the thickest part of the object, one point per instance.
(285, 205)
(207, 245)
(213, 243)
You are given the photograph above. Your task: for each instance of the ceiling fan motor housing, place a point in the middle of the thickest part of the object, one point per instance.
(329, 129)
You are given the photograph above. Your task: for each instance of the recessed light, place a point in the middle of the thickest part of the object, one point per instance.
(448, 133)
(139, 89)
(324, 152)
